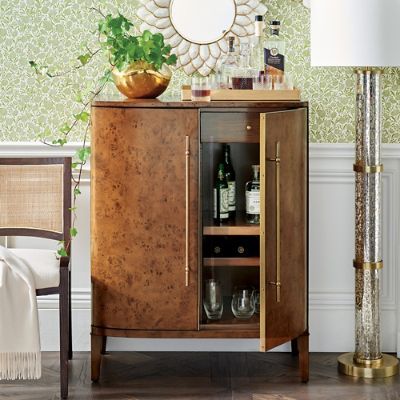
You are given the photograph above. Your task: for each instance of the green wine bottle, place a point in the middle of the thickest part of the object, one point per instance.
(221, 196)
(231, 179)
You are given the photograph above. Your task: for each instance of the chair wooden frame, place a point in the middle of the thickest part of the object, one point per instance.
(64, 288)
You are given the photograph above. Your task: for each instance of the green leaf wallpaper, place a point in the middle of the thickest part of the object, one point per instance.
(55, 33)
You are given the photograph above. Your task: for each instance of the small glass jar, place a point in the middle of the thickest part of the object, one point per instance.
(243, 304)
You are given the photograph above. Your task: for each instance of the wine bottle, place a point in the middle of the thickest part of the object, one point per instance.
(253, 197)
(257, 46)
(231, 179)
(228, 65)
(274, 55)
(221, 196)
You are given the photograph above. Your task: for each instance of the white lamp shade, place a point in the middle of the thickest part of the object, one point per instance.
(357, 33)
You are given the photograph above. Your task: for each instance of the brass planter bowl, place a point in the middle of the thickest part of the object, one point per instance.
(141, 81)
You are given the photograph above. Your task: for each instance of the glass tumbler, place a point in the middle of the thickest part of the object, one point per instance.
(243, 305)
(213, 302)
(201, 88)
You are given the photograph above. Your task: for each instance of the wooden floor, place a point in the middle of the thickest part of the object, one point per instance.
(200, 376)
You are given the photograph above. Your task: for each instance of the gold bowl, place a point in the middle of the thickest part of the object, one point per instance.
(141, 81)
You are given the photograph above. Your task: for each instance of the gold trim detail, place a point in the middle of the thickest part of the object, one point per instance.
(187, 160)
(368, 363)
(388, 366)
(368, 169)
(263, 216)
(277, 161)
(367, 265)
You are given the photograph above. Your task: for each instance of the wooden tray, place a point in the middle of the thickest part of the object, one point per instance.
(246, 95)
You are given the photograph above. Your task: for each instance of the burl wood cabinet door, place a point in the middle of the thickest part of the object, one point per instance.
(283, 264)
(144, 218)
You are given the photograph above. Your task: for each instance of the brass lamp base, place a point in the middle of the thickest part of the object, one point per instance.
(388, 366)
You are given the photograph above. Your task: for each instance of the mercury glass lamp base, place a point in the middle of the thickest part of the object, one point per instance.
(389, 366)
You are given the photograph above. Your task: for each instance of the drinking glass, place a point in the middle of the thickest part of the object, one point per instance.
(242, 78)
(262, 82)
(213, 301)
(201, 88)
(283, 82)
(243, 305)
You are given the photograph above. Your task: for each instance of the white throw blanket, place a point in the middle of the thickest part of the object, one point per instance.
(19, 326)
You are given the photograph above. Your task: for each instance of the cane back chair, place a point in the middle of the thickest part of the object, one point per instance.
(35, 200)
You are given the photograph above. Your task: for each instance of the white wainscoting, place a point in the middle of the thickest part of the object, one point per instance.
(331, 253)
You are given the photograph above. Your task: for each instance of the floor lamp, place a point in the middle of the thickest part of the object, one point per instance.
(364, 34)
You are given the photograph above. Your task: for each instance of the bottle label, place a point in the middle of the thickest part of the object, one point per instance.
(252, 202)
(223, 204)
(232, 195)
(274, 62)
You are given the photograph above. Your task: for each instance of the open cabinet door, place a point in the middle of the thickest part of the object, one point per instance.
(283, 240)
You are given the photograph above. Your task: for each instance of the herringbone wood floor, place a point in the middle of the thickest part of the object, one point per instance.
(201, 376)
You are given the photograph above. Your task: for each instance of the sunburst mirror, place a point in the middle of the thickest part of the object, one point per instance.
(197, 29)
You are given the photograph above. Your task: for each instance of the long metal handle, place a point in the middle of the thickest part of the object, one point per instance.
(187, 155)
(277, 161)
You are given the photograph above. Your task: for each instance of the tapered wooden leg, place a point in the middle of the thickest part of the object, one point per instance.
(302, 343)
(70, 321)
(64, 330)
(295, 348)
(97, 346)
(104, 345)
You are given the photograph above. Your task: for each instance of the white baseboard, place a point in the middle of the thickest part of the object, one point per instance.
(331, 254)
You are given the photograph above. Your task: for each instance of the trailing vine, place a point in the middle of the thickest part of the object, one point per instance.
(122, 49)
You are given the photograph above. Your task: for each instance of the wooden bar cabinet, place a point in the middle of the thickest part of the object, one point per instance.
(153, 169)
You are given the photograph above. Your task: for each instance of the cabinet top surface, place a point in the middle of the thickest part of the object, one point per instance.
(156, 103)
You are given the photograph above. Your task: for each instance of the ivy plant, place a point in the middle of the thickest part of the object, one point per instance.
(122, 49)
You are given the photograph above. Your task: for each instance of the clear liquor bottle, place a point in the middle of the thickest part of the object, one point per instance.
(228, 65)
(257, 46)
(274, 53)
(231, 179)
(221, 196)
(253, 197)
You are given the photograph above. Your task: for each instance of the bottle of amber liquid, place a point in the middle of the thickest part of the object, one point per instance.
(274, 53)
(253, 197)
(231, 179)
(221, 196)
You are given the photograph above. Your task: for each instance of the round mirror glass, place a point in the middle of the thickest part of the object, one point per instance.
(202, 21)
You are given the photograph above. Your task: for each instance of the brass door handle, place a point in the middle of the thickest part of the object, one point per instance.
(187, 161)
(277, 161)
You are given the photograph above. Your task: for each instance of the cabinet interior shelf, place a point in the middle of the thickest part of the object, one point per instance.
(238, 226)
(229, 322)
(231, 262)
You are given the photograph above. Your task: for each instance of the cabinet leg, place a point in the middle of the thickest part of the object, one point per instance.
(104, 345)
(302, 343)
(97, 346)
(295, 347)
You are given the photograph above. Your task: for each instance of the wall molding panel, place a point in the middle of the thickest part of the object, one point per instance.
(331, 212)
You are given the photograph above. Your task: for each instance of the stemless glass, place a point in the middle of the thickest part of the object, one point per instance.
(243, 305)
(213, 301)
(201, 88)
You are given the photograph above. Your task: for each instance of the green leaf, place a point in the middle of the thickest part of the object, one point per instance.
(85, 58)
(60, 141)
(73, 231)
(62, 252)
(83, 154)
(82, 116)
(65, 128)
(77, 192)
